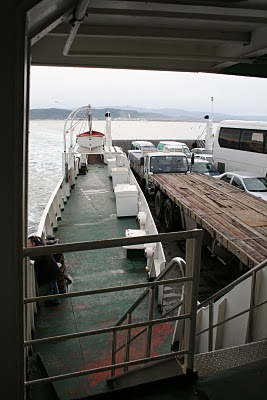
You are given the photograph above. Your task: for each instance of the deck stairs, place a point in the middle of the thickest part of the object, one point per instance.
(231, 333)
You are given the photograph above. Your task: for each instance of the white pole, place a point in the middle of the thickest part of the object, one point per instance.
(208, 137)
(108, 130)
(211, 123)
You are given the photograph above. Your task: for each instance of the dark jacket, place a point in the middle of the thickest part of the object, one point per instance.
(46, 268)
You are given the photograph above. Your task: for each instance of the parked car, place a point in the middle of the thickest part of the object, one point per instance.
(142, 144)
(249, 182)
(203, 153)
(171, 145)
(203, 167)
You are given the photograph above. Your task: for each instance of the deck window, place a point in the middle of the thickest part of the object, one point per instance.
(252, 141)
(229, 138)
(243, 139)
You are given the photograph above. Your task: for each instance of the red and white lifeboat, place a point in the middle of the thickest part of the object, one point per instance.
(90, 140)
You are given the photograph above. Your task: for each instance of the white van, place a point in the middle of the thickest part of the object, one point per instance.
(140, 144)
(172, 145)
(241, 146)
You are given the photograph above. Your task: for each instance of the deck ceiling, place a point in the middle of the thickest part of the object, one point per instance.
(226, 37)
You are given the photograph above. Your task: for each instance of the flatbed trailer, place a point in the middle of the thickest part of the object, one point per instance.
(231, 219)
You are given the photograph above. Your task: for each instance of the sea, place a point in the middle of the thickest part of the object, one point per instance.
(46, 145)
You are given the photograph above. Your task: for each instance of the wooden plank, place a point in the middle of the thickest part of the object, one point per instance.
(251, 217)
(235, 219)
(243, 198)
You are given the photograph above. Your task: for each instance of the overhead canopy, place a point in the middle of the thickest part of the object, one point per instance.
(226, 37)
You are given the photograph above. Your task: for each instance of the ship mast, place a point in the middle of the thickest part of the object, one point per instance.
(208, 137)
(90, 119)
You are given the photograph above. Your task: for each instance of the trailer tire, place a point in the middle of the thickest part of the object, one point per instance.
(168, 215)
(143, 186)
(159, 202)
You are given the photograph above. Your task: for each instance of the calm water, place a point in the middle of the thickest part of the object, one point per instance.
(46, 147)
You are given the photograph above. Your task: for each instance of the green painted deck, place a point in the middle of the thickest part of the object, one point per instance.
(90, 214)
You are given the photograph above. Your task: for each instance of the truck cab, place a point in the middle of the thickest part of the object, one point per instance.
(144, 165)
(173, 162)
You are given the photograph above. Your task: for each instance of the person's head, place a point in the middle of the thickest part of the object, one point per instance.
(34, 240)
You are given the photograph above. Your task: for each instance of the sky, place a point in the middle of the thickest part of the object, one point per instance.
(70, 88)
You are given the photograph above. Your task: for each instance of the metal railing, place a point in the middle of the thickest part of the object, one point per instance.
(211, 300)
(149, 292)
(193, 238)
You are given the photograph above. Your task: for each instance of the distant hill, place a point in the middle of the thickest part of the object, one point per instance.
(49, 113)
(134, 113)
(185, 115)
(97, 114)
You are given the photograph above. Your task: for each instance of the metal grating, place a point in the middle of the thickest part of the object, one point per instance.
(220, 360)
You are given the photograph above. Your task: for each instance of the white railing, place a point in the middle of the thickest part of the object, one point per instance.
(47, 225)
(233, 316)
(236, 314)
(159, 260)
(194, 240)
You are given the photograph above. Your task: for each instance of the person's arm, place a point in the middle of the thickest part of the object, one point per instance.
(62, 259)
(36, 258)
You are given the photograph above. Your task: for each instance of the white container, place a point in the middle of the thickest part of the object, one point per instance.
(119, 175)
(109, 152)
(111, 164)
(126, 200)
(120, 160)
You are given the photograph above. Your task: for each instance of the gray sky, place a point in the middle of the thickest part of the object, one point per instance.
(76, 87)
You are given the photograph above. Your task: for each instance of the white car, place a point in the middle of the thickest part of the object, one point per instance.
(203, 167)
(249, 182)
(203, 154)
(142, 144)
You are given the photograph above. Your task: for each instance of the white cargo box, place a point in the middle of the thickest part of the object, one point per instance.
(126, 200)
(119, 175)
(109, 152)
(111, 164)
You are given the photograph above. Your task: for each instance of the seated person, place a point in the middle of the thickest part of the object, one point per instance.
(63, 280)
(46, 271)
